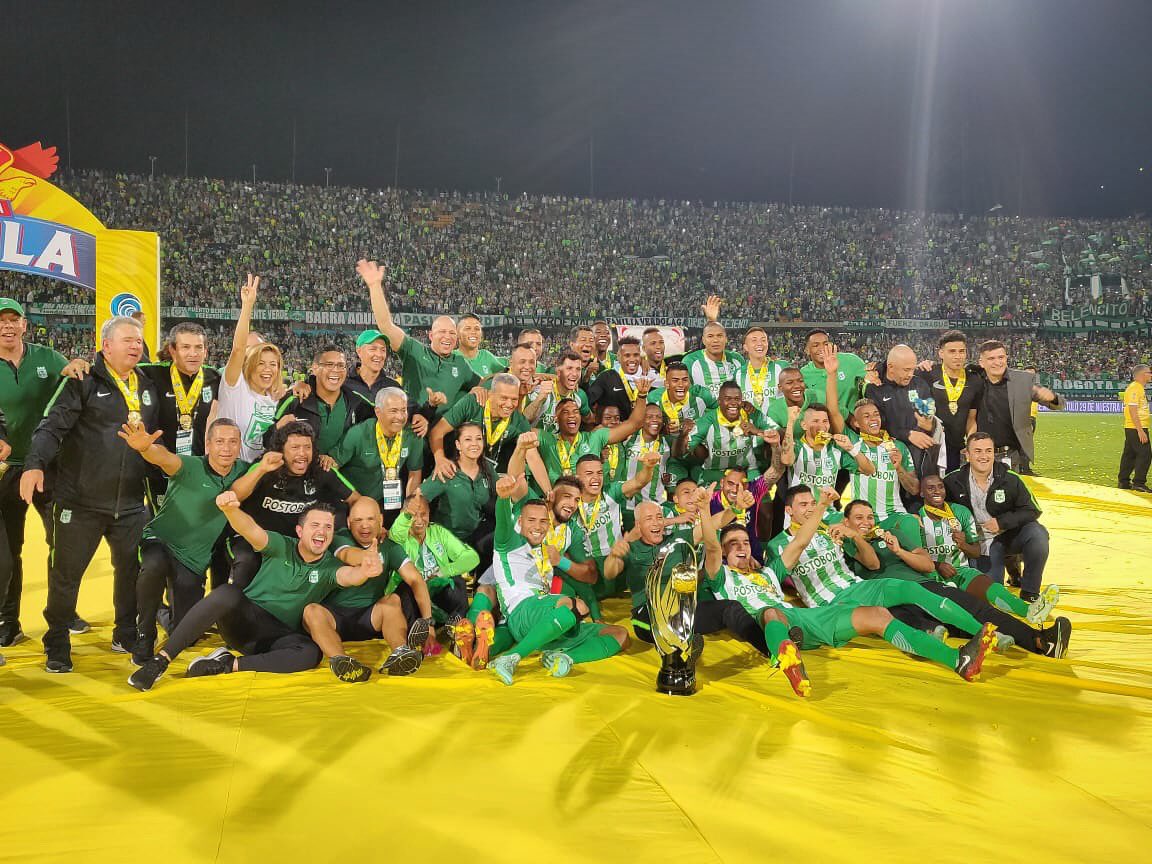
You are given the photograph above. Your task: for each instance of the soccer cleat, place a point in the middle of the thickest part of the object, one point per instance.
(58, 664)
(1040, 608)
(557, 663)
(402, 661)
(79, 626)
(1003, 643)
(219, 662)
(788, 659)
(971, 655)
(349, 669)
(1057, 637)
(463, 640)
(485, 633)
(144, 677)
(504, 667)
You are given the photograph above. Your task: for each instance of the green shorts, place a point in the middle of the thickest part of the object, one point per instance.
(876, 592)
(964, 577)
(823, 625)
(532, 611)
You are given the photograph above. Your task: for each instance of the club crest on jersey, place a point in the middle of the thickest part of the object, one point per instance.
(309, 488)
(65, 517)
(998, 496)
(206, 394)
(455, 372)
(41, 372)
(313, 576)
(146, 397)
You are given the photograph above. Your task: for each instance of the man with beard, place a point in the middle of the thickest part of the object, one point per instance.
(728, 437)
(333, 407)
(652, 364)
(603, 359)
(541, 412)
(499, 416)
(178, 542)
(383, 458)
(713, 365)
(264, 621)
(620, 386)
(280, 487)
(560, 452)
(483, 362)
(814, 462)
(394, 606)
(435, 375)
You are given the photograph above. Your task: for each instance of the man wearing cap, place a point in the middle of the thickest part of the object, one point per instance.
(99, 493)
(29, 375)
(435, 375)
(368, 378)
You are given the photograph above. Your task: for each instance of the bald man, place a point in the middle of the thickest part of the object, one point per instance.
(393, 606)
(436, 374)
(898, 396)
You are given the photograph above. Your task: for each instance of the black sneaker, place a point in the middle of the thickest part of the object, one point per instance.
(403, 661)
(11, 634)
(418, 634)
(144, 677)
(144, 650)
(119, 647)
(349, 669)
(79, 626)
(219, 662)
(1057, 637)
(1140, 487)
(1123, 485)
(58, 663)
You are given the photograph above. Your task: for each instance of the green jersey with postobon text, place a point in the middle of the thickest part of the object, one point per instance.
(546, 419)
(755, 590)
(520, 569)
(630, 453)
(822, 571)
(881, 489)
(938, 538)
(817, 468)
(728, 446)
(759, 385)
(560, 456)
(709, 373)
(286, 583)
(596, 525)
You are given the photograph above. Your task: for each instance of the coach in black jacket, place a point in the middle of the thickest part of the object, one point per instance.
(99, 490)
(1006, 512)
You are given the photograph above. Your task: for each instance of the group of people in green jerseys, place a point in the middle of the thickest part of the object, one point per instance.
(495, 503)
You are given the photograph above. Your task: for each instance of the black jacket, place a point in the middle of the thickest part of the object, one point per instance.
(358, 409)
(1010, 502)
(96, 469)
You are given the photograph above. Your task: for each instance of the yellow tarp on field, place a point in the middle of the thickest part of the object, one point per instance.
(892, 759)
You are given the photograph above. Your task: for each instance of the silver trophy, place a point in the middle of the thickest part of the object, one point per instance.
(671, 585)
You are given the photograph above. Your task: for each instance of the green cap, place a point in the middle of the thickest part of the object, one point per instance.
(364, 338)
(7, 304)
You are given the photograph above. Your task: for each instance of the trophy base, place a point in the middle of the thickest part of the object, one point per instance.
(677, 675)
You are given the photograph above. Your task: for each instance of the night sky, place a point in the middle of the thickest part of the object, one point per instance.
(944, 104)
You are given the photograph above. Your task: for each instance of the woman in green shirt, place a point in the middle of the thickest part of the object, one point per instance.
(465, 504)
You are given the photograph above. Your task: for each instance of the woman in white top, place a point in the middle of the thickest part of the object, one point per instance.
(253, 380)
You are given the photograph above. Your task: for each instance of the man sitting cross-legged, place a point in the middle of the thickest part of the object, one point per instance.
(264, 620)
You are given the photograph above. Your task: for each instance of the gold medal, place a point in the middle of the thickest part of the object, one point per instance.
(953, 389)
(953, 407)
(186, 399)
(131, 394)
(954, 524)
(391, 474)
(822, 438)
(185, 422)
(134, 418)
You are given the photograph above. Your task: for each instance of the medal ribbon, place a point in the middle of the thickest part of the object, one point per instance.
(629, 388)
(757, 381)
(589, 521)
(389, 453)
(672, 409)
(732, 424)
(613, 457)
(490, 434)
(129, 391)
(953, 390)
(875, 439)
(940, 513)
(186, 400)
(566, 458)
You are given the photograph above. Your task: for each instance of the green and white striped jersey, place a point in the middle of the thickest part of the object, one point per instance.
(755, 590)
(697, 402)
(596, 526)
(817, 468)
(710, 374)
(882, 489)
(938, 535)
(729, 447)
(821, 573)
(546, 419)
(521, 570)
(683, 530)
(630, 453)
(759, 385)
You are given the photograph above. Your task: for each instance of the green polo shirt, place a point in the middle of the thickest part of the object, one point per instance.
(485, 363)
(189, 523)
(25, 393)
(365, 595)
(332, 423)
(358, 456)
(848, 383)
(468, 410)
(907, 530)
(286, 583)
(422, 368)
(458, 504)
(549, 445)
